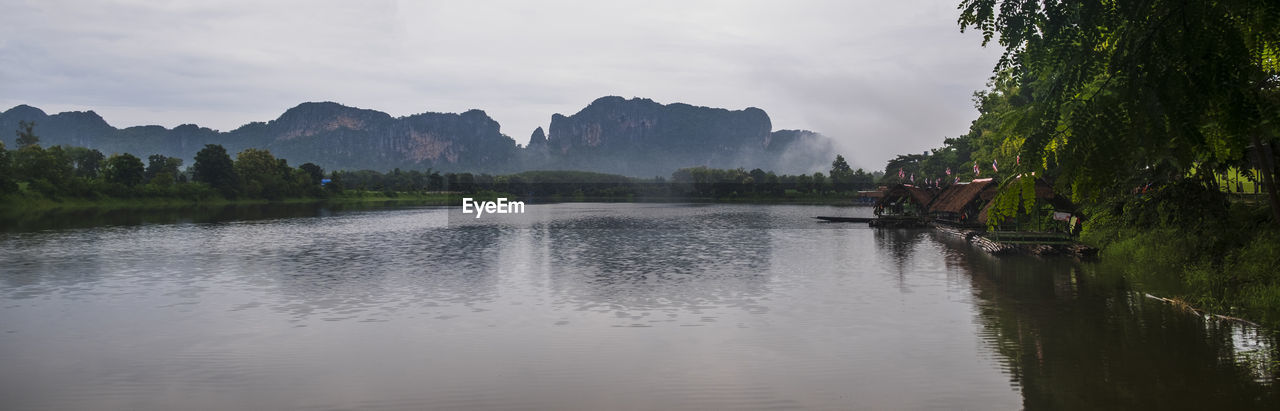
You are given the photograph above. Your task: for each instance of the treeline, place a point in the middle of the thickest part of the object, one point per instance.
(77, 172)
(709, 182)
(693, 182)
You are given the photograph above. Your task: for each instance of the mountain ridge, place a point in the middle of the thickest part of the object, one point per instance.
(638, 137)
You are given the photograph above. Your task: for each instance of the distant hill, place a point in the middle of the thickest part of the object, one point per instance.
(637, 137)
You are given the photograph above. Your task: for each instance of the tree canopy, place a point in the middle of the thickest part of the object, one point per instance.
(1108, 94)
(214, 167)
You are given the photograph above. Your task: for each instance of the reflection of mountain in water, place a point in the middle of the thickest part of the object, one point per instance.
(1074, 337)
(370, 269)
(621, 266)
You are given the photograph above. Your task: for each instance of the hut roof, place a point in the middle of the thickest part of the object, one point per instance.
(918, 195)
(954, 198)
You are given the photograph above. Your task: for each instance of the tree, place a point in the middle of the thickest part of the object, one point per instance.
(7, 185)
(124, 169)
(314, 171)
(819, 182)
(435, 182)
(335, 183)
(50, 167)
(26, 136)
(214, 167)
(841, 174)
(804, 183)
(158, 163)
(758, 176)
(1101, 92)
(87, 162)
(263, 175)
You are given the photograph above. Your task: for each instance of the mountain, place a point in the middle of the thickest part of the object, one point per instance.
(341, 137)
(637, 137)
(641, 137)
(329, 134)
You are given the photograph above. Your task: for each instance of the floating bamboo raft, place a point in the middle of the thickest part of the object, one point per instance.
(1020, 242)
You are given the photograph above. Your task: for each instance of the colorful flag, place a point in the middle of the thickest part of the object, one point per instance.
(900, 175)
(913, 177)
(1017, 161)
(993, 166)
(976, 171)
(948, 170)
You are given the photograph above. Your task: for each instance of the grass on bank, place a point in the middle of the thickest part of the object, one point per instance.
(1227, 262)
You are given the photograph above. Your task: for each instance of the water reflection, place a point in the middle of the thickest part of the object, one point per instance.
(647, 269)
(62, 219)
(1074, 337)
(899, 245)
(588, 306)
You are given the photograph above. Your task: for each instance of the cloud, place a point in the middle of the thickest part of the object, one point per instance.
(880, 77)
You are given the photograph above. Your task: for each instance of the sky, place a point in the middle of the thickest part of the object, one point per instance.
(879, 77)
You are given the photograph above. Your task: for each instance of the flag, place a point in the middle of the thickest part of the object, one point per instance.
(1017, 161)
(957, 181)
(913, 177)
(993, 166)
(948, 170)
(900, 175)
(976, 171)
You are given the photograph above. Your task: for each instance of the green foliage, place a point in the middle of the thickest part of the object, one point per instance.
(124, 169)
(214, 167)
(52, 165)
(1135, 108)
(1016, 198)
(261, 174)
(841, 174)
(87, 162)
(314, 172)
(26, 136)
(158, 164)
(1100, 94)
(7, 183)
(1224, 263)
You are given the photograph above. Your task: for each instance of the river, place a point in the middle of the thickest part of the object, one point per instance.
(586, 306)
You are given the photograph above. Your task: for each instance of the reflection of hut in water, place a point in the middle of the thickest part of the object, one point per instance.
(904, 200)
(961, 204)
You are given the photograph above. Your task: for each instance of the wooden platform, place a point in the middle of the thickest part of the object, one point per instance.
(845, 219)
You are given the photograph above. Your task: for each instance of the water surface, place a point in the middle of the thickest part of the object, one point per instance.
(588, 306)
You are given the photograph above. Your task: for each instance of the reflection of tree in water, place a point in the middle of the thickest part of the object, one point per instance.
(639, 267)
(1083, 341)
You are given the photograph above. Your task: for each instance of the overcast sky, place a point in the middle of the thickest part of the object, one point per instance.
(880, 77)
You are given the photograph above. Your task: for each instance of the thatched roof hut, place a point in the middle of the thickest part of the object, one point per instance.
(905, 199)
(962, 202)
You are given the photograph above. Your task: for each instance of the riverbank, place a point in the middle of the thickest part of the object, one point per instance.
(1223, 263)
(34, 202)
